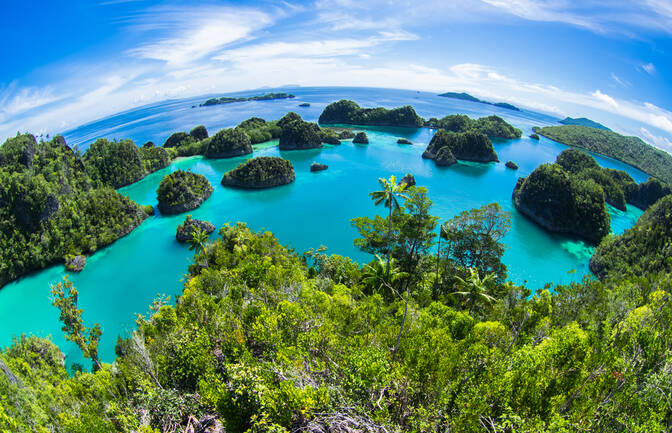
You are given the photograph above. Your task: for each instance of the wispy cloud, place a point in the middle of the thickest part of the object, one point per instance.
(649, 68)
(623, 82)
(195, 33)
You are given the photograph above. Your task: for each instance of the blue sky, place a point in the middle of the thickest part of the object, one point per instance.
(70, 62)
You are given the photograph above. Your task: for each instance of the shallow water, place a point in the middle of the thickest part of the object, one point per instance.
(121, 280)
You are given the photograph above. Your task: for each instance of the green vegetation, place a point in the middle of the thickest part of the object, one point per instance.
(467, 97)
(360, 138)
(264, 340)
(492, 126)
(329, 136)
(649, 193)
(631, 150)
(259, 130)
(228, 143)
(644, 249)
(116, 163)
(181, 191)
(298, 134)
(50, 207)
(564, 203)
(467, 146)
(349, 112)
(185, 231)
(199, 133)
(229, 100)
(534, 136)
(582, 121)
(260, 172)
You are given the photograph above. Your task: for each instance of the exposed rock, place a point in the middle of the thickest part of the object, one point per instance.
(11, 377)
(260, 172)
(75, 263)
(409, 180)
(361, 138)
(534, 136)
(185, 231)
(512, 165)
(404, 141)
(228, 143)
(318, 167)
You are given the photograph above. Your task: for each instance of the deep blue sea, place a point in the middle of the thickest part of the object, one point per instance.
(123, 279)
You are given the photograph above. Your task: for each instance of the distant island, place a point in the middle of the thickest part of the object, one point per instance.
(631, 150)
(350, 113)
(229, 100)
(492, 126)
(582, 121)
(467, 97)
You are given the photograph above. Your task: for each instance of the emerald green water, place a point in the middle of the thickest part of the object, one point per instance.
(315, 210)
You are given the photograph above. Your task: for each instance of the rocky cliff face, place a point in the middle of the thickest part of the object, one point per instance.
(185, 231)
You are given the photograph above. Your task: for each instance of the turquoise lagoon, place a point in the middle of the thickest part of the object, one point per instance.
(123, 279)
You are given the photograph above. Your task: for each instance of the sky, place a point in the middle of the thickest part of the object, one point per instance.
(70, 62)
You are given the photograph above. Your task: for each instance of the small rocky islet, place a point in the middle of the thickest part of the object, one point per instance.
(185, 231)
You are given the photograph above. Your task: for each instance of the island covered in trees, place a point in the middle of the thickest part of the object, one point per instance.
(229, 100)
(260, 172)
(181, 191)
(445, 147)
(51, 206)
(350, 113)
(631, 150)
(582, 121)
(467, 97)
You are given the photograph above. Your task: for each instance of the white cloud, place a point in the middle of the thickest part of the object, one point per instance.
(605, 98)
(656, 140)
(649, 68)
(195, 34)
(623, 82)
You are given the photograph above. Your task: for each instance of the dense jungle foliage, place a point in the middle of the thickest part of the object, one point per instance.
(349, 112)
(265, 340)
(50, 206)
(631, 150)
(182, 190)
(260, 172)
(492, 126)
(563, 202)
(228, 143)
(467, 146)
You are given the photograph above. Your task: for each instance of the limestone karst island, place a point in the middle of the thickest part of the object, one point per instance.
(329, 216)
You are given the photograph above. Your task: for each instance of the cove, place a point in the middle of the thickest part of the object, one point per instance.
(123, 279)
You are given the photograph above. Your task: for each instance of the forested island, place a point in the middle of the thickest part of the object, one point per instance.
(446, 147)
(54, 203)
(582, 121)
(492, 126)
(350, 113)
(260, 172)
(230, 100)
(467, 97)
(181, 191)
(563, 203)
(631, 150)
(425, 337)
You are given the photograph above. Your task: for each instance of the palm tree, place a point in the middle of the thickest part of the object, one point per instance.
(198, 242)
(438, 257)
(376, 275)
(389, 195)
(474, 289)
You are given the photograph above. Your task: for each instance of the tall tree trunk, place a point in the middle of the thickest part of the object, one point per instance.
(438, 260)
(389, 241)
